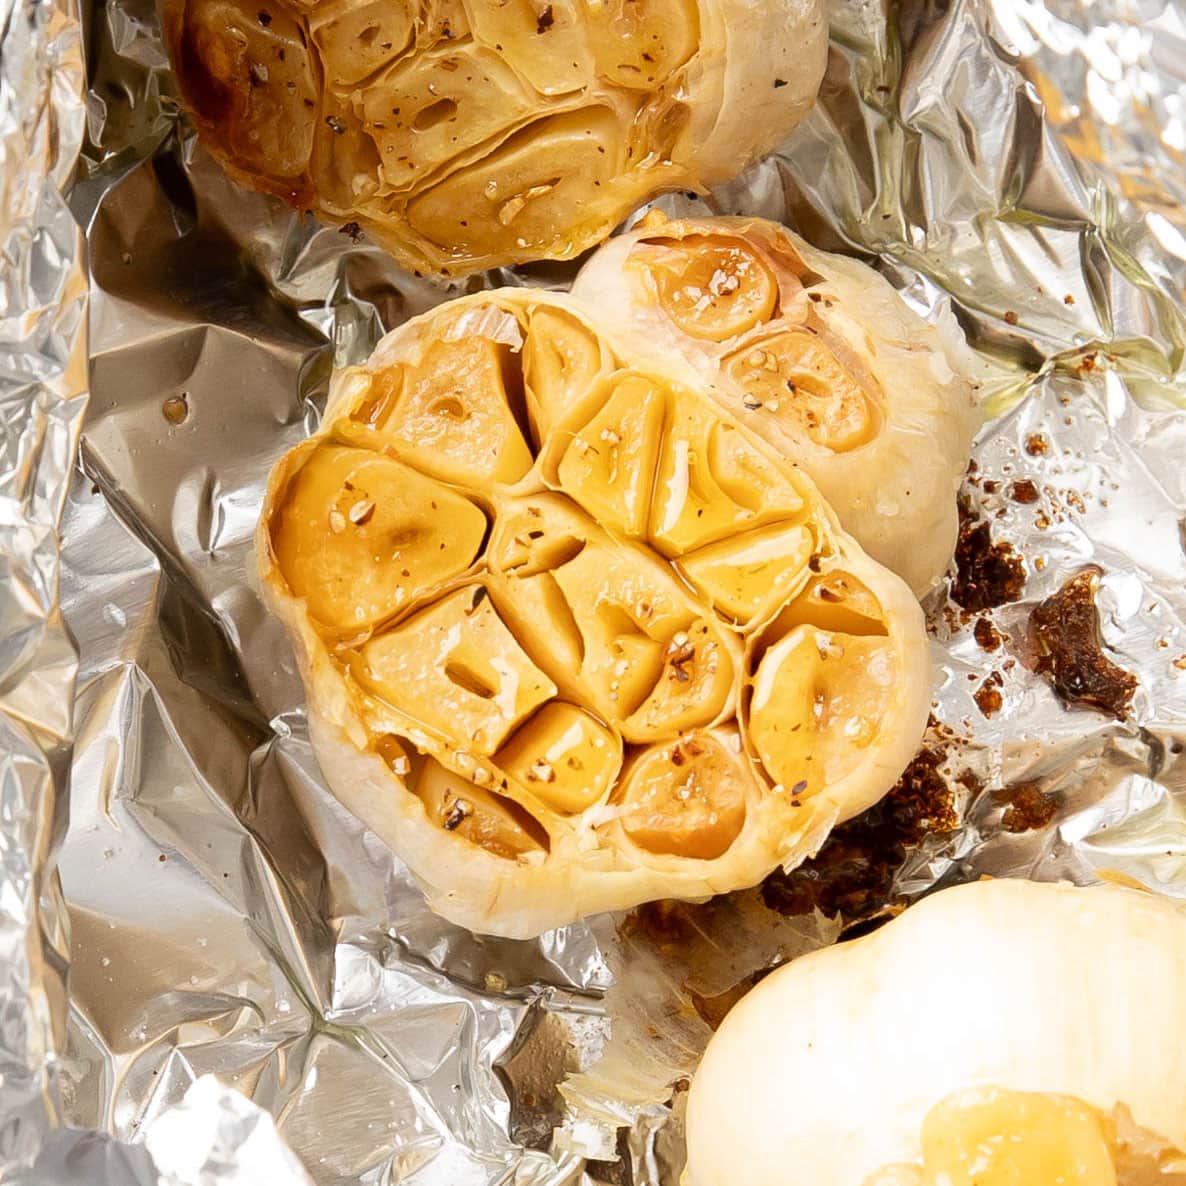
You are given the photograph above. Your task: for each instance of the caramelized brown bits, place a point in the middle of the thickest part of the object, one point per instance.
(1027, 808)
(1065, 632)
(986, 634)
(988, 696)
(853, 874)
(988, 573)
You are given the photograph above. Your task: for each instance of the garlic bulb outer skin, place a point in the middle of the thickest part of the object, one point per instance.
(825, 1072)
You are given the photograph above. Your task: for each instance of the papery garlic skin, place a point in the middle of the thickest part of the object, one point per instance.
(580, 676)
(465, 134)
(828, 1070)
(817, 354)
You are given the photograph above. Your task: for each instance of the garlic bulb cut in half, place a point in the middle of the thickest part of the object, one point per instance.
(1000, 1033)
(574, 638)
(818, 355)
(464, 134)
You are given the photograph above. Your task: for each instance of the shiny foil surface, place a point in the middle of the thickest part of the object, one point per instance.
(1019, 162)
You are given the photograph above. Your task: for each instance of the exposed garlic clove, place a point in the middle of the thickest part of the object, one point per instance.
(354, 566)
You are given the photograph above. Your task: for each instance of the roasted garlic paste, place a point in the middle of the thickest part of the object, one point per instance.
(996, 1137)
(573, 637)
(462, 134)
(819, 356)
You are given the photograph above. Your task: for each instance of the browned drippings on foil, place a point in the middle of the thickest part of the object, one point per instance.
(853, 874)
(1025, 491)
(1027, 807)
(988, 573)
(712, 1009)
(1065, 634)
(988, 696)
(987, 636)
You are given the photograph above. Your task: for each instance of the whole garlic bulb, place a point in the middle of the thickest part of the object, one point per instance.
(818, 355)
(574, 639)
(463, 134)
(1001, 1032)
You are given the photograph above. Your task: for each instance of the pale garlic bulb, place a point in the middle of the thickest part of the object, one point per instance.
(462, 134)
(572, 638)
(1000, 1033)
(816, 353)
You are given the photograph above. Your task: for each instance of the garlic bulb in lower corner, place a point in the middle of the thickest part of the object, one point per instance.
(817, 354)
(464, 134)
(1001, 1033)
(573, 638)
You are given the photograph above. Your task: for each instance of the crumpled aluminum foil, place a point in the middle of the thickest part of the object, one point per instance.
(1018, 161)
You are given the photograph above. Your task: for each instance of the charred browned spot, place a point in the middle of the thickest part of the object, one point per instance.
(1036, 445)
(1026, 807)
(211, 97)
(988, 573)
(1065, 633)
(1011, 317)
(986, 634)
(853, 874)
(1024, 491)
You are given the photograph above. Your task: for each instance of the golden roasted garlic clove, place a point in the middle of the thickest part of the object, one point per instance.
(565, 756)
(457, 670)
(640, 44)
(468, 134)
(819, 700)
(711, 287)
(687, 798)
(711, 481)
(453, 411)
(620, 639)
(358, 536)
(561, 362)
(356, 40)
(519, 194)
(543, 40)
(817, 355)
(609, 466)
(793, 378)
(494, 823)
(748, 577)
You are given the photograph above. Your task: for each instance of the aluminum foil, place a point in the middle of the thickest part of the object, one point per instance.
(1021, 163)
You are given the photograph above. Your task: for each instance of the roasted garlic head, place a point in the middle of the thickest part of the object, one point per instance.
(464, 134)
(1001, 1033)
(818, 355)
(573, 638)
